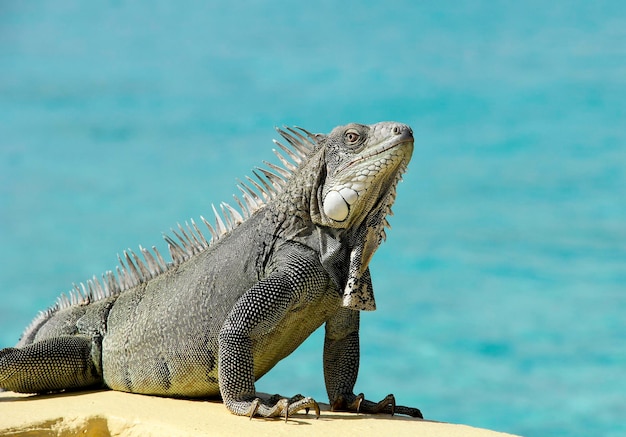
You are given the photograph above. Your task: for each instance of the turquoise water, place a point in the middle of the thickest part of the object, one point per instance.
(501, 288)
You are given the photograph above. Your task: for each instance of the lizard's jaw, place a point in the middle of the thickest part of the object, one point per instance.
(361, 180)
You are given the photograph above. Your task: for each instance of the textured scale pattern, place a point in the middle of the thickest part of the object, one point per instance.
(63, 363)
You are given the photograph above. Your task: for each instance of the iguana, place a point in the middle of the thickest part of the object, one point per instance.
(224, 311)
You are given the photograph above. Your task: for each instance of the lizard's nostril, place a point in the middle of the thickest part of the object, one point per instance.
(401, 129)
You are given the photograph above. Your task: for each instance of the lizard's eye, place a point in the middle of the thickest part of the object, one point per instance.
(352, 136)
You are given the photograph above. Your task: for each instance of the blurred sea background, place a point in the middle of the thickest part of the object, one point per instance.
(501, 287)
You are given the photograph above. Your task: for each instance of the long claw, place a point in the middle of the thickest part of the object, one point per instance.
(254, 408)
(356, 404)
(316, 407)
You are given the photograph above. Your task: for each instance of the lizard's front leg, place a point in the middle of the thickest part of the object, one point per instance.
(259, 311)
(341, 367)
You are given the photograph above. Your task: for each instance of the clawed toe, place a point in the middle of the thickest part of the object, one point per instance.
(280, 406)
(303, 404)
(387, 405)
(254, 407)
(358, 404)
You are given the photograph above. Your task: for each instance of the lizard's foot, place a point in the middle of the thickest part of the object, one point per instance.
(279, 406)
(358, 404)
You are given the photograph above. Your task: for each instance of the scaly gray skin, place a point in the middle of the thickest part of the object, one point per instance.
(224, 312)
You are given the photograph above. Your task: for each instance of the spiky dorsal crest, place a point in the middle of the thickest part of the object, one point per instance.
(189, 240)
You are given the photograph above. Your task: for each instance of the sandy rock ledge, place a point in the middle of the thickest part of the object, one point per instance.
(110, 413)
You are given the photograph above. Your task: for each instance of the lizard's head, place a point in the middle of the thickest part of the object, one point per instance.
(363, 165)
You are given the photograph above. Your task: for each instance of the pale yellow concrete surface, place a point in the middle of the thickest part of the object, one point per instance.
(110, 413)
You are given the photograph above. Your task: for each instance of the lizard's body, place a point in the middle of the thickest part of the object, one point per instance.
(222, 314)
